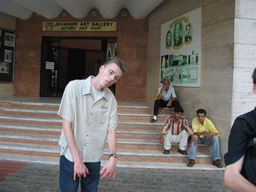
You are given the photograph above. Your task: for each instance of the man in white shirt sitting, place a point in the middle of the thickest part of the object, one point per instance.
(166, 97)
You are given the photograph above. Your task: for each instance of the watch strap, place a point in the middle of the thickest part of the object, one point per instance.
(112, 155)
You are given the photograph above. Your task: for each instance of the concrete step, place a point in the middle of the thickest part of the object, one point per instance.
(142, 109)
(28, 128)
(158, 156)
(135, 108)
(56, 130)
(53, 113)
(29, 111)
(123, 164)
(37, 105)
(140, 117)
(123, 155)
(57, 121)
(52, 121)
(141, 125)
(122, 143)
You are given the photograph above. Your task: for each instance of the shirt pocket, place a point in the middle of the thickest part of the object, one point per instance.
(104, 111)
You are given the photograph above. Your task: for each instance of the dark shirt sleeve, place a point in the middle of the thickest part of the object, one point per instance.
(240, 137)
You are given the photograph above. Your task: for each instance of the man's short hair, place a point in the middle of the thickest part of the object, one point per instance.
(254, 76)
(178, 109)
(117, 61)
(201, 111)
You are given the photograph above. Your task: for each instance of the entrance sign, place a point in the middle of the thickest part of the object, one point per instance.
(80, 26)
(180, 51)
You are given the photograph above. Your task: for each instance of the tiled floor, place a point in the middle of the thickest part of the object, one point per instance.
(8, 167)
(44, 178)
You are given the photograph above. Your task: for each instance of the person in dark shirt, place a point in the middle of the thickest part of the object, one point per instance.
(240, 173)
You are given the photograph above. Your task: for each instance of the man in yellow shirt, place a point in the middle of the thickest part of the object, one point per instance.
(205, 133)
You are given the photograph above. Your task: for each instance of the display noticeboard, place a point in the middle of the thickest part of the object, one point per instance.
(180, 51)
(7, 43)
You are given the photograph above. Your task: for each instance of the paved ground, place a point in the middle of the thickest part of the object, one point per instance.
(44, 178)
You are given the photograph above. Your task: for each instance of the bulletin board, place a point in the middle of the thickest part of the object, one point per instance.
(7, 43)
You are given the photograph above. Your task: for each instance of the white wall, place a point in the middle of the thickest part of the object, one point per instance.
(243, 100)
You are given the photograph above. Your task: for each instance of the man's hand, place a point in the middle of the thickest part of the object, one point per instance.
(169, 103)
(165, 87)
(109, 168)
(206, 134)
(194, 140)
(80, 169)
(161, 139)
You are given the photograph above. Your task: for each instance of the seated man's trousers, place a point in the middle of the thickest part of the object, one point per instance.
(181, 138)
(162, 103)
(214, 140)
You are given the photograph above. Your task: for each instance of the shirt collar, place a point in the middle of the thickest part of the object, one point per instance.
(199, 121)
(87, 88)
(172, 118)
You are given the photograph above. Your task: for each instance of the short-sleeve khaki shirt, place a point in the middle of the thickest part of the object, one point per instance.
(90, 119)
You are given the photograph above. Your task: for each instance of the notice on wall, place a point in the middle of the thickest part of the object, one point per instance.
(7, 51)
(180, 51)
(80, 26)
(4, 67)
(8, 56)
(49, 65)
(9, 39)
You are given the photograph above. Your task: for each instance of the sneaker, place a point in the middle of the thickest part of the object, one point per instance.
(182, 152)
(191, 163)
(217, 163)
(154, 118)
(166, 152)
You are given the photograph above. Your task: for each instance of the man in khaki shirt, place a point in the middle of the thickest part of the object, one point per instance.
(89, 112)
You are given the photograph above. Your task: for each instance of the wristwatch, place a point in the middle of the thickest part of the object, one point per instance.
(113, 155)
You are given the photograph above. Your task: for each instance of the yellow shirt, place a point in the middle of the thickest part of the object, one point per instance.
(91, 119)
(206, 126)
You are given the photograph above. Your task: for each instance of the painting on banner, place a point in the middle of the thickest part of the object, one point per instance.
(180, 51)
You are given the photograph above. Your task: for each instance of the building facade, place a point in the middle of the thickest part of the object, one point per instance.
(228, 51)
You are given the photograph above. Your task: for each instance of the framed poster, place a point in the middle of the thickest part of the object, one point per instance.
(180, 51)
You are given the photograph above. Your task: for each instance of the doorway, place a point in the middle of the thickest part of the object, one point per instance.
(76, 64)
(71, 58)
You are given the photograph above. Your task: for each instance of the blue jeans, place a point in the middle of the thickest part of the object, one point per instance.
(214, 140)
(88, 183)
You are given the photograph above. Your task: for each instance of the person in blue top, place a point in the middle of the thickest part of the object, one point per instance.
(166, 97)
(240, 160)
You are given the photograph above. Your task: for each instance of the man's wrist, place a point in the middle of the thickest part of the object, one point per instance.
(113, 155)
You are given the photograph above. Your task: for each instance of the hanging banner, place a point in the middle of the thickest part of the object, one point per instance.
(80, 26)
(180, 51)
